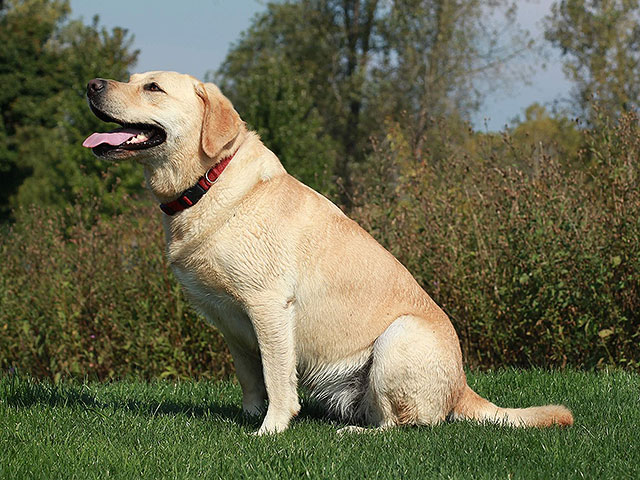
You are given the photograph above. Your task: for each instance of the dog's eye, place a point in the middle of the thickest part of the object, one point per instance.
(153, 87)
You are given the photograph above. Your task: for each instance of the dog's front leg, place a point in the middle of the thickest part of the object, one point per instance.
(248, 368)
(273, 324)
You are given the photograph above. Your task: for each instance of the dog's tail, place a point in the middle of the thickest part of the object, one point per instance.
(472, 406)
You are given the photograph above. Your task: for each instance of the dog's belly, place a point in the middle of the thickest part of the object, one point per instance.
(339, 386)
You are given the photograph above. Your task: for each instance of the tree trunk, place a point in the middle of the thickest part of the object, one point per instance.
(358, 36)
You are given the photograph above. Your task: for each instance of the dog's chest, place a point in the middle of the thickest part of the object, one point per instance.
(218, 306)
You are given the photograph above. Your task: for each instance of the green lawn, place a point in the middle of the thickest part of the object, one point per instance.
(196, 430)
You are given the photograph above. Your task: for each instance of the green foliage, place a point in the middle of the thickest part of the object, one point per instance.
(319, 59)
(361, 63)
(282, 111)
(536, 266)
(601, 40)
(541, 133)
(45, 63)
(191, 430)
(82, 295)
(530, 238)
(438, 55)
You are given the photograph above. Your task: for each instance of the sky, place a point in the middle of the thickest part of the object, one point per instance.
(194, 36)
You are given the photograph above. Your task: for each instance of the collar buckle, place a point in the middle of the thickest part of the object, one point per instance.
(215, 178)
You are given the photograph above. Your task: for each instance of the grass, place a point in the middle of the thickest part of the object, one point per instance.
(131, 429)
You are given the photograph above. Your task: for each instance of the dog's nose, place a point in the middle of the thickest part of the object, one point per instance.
(96, 86)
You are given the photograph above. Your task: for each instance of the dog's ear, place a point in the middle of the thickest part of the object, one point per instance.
(220, 122)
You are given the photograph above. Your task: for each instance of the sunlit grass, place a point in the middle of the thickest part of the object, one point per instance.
(132, 429)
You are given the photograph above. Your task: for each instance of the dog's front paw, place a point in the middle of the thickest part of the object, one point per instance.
(270, 428)
(275, 422)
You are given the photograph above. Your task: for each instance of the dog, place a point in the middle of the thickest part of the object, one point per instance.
(300, 292)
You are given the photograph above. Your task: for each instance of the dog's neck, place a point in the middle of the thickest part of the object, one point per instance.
(169, 178)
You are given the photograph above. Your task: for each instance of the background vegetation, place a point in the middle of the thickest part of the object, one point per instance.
(528, 238)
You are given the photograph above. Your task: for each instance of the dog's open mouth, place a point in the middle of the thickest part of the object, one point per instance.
(134, 136)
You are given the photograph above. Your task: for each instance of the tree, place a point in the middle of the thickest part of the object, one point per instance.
(600, 40)
(330, 50)
(282, 111)
(438, 56)
(45, 63)
(542, 133)
(366, 63)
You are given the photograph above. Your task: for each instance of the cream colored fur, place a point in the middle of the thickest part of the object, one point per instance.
(301, 293)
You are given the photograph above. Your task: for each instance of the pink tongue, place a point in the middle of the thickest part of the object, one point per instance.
(112, 138)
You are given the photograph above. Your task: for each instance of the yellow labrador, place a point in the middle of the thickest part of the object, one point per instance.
(301, 293)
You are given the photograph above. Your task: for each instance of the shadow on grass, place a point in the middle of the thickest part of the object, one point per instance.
(22, 392)
(25, 392)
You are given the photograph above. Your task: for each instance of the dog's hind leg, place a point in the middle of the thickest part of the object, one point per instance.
(416, 375)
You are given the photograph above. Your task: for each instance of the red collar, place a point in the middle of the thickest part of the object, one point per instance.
(190, 196)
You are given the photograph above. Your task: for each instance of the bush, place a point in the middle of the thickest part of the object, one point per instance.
(536, 265)
(539, 268)
(83, 295)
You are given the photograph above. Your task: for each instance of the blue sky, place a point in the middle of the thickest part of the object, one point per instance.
(193, 36)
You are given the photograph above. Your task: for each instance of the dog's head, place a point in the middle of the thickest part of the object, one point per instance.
(162, 114)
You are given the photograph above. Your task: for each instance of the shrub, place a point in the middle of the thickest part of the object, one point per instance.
(539, 268)
(83, 295)
(536, 265)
